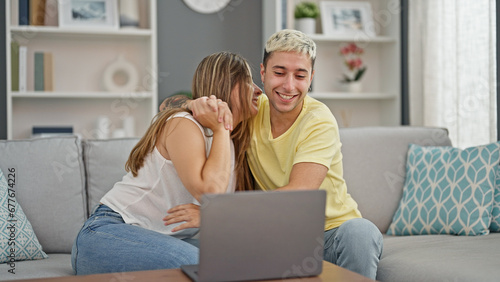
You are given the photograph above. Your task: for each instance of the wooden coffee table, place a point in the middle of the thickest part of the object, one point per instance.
(331, 273)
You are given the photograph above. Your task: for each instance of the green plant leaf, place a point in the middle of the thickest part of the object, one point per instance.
(306, 10)
(359, 74)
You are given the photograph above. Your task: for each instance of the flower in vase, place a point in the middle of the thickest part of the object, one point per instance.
(352, 60)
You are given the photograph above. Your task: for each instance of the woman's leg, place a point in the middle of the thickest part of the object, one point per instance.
(107, 244)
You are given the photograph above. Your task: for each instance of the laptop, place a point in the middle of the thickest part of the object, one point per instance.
(260, 236)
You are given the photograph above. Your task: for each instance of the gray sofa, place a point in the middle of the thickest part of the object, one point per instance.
(60, 179)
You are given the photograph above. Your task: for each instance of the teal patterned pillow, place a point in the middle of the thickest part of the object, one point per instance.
(447, 191)
(495, 213)
(17, 239)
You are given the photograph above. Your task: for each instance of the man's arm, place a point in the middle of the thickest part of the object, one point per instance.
(174, 102)
(315, 153)
(306, 176)
(201, 108)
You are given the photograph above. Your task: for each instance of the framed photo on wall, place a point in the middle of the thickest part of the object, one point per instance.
(88, 14)
(345, 18)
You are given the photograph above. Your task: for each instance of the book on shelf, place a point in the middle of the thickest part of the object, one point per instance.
(14, 65)
(14, 13)
(48, 72)
(51, 13)
(32, 12)
(23, 53)
(37, 12)
(38, 68)
(24, 12)
(43, 71)
(48, 131)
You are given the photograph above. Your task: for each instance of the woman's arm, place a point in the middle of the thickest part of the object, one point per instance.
(184, 144)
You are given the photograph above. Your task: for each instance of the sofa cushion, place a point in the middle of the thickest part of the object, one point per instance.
(440, 258)
(50, 187)
(105, 163)
(447, 191)
(495, 212)
(17, 239)
(50, 179)
(374, 161)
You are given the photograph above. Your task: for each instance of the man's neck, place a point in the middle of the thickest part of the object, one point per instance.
(281, 122)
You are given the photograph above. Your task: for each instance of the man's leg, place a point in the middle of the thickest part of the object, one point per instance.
(355, 245)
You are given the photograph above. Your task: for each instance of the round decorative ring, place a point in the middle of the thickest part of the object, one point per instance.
(120, 76)
(207, 6)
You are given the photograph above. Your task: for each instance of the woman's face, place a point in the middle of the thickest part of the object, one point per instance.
(255, 97)
(251, 95)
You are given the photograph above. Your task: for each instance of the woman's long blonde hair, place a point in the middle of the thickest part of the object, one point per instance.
(217, 74)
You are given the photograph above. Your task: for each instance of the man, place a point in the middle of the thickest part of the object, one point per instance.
(296, 145)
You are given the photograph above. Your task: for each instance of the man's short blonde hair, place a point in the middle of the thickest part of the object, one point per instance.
(290, 40)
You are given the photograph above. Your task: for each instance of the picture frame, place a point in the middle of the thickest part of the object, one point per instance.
(89, 14)
(347, 18)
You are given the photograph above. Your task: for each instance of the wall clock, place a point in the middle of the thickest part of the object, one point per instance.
(207, 6)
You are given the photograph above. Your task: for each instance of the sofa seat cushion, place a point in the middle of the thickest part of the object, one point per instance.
(440, 258)
(50, 187)
(55, 265)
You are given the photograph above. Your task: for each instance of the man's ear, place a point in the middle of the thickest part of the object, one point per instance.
(262, 72)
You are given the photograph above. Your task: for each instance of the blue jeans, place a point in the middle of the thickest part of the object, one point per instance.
(107, 244)
(355, 245)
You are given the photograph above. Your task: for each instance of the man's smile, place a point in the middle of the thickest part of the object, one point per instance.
(286, 97)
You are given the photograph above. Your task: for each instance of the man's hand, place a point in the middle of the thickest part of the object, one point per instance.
(190, 213)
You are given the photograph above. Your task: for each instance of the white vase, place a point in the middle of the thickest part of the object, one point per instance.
(306, 25)
(352, 87)
(355, 87)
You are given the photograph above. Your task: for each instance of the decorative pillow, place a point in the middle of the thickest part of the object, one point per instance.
(17, 239)
(447, 191)
(495, 213)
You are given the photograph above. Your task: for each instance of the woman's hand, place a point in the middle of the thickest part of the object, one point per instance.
(190, 213)
(203, 109)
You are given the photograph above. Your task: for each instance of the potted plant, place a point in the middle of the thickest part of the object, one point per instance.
(305, 17)
(355, 69)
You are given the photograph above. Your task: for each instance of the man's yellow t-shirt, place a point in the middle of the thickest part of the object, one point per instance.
(313, 137)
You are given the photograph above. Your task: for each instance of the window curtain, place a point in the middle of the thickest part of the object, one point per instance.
(452, 68)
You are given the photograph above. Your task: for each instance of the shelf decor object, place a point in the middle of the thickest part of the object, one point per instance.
(305, 15)
(129, 13)
(355, 69)
(89, 14)
(207, 6)
(347, 18)
(120, 76)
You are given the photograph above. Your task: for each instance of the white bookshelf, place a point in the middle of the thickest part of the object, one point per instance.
(80, 57)
(351, 96)
(379, 104)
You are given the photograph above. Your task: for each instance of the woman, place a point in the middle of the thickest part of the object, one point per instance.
(174, 163)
